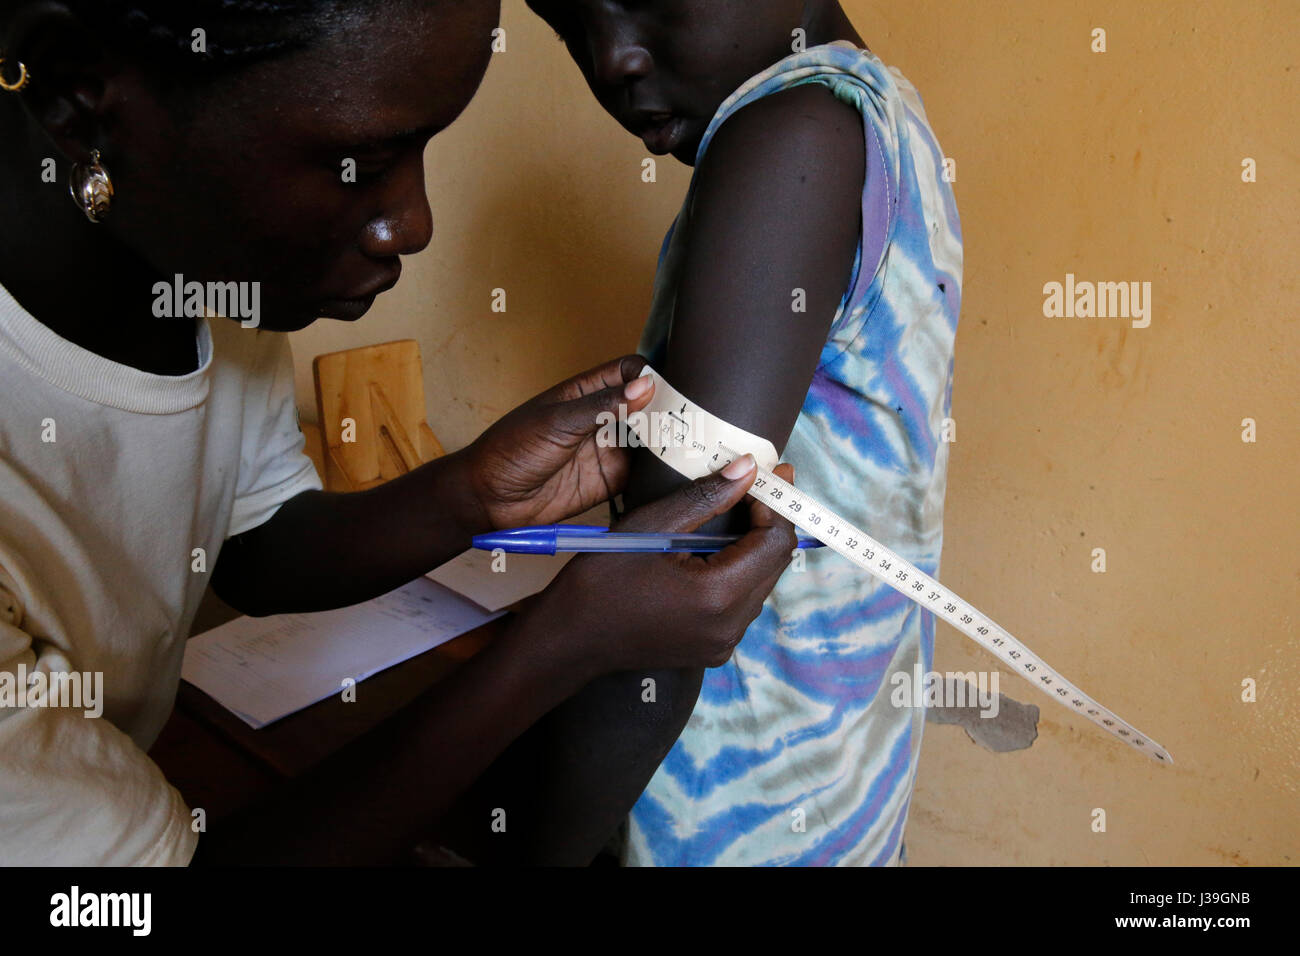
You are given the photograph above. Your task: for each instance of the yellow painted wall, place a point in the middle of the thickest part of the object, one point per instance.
(1072, 434)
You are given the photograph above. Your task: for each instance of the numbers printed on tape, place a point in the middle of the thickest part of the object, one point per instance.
(692, 429)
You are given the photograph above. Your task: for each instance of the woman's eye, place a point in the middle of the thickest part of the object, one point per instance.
(365, 167)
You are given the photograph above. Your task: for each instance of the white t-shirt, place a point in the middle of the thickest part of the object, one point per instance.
(98, 531)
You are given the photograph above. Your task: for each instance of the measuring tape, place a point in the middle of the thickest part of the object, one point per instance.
(695, 443)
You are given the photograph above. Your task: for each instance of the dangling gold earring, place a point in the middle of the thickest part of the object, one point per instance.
(23, 77)
(91, 188)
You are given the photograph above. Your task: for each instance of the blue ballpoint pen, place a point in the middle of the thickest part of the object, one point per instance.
(561, 538)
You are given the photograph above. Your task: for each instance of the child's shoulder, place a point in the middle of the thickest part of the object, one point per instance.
(853, 75)
(805, 119)
(789, 167)
(811, 102)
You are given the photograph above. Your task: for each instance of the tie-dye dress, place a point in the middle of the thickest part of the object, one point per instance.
(794, 753)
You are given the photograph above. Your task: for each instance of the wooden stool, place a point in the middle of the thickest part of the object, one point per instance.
(374, 397)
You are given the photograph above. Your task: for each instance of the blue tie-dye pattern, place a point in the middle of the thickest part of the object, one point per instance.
(831, 848)
(722, 686)
(821, 678)
(801, 717)
(718, 832)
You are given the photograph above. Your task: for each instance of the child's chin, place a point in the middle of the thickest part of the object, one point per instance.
(686, 152)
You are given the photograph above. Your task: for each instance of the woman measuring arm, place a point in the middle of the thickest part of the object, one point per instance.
(129, 441)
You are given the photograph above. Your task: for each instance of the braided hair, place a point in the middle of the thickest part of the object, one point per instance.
(161, 32)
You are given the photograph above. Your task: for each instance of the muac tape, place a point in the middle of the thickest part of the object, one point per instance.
(695, 443)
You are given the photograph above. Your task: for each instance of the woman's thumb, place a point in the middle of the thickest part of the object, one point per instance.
(693, 504)
(582, 417)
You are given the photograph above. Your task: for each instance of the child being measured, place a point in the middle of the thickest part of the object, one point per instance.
(808, 291)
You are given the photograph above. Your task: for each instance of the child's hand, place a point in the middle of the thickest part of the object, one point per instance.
(541, 463)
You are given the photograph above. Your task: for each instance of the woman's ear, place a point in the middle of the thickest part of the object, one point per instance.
(71, 72)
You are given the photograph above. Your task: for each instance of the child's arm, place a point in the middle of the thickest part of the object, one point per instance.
(777, 208)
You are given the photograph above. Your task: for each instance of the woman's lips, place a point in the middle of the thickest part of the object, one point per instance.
(665, 136)
(348, 309)
(355, 307)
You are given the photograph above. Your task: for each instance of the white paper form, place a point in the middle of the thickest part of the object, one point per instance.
(471, 573)
(265, 668)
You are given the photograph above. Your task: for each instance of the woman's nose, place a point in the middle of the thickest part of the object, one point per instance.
(406, 225)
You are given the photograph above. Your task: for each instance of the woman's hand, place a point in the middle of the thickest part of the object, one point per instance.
(541, 463)
(615, 612)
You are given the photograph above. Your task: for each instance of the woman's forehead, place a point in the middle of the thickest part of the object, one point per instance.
(372, 80)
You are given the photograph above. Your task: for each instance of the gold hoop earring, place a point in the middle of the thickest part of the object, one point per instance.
(23, 77)
(91, 188)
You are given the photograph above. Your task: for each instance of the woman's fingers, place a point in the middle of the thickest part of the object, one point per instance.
(760, 515)
(582, 406)
(614, 374)
(702, 605)
(693, 504)
(765, 550)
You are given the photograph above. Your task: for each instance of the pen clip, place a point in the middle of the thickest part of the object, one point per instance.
(546, 530)
(579, 530)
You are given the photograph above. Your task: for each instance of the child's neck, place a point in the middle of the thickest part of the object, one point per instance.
(827, 22)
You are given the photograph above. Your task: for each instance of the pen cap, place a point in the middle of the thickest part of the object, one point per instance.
(535, 539)
(515, 544)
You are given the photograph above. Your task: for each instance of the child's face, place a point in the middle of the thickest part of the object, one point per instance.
(663, 67)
